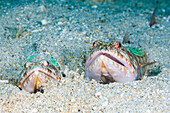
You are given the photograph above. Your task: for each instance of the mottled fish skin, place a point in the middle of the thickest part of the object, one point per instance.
(111, 62)
(37, 73)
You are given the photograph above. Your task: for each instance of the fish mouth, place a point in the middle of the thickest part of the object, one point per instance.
(113, 55)
(110, 66)
(38, 72)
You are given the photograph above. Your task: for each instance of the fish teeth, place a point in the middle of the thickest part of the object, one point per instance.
(113, 63)
(102, 57)
(110, 61)
(120, 67)
(24, 84)
(124, 59)
(133, 71)
(106, 59)
(128, 73)
(30, 78)
(123, 69)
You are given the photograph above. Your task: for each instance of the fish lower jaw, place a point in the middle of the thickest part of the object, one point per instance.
(32, 80)
(108, 71)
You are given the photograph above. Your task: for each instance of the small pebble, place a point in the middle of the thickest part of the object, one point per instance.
(34, 110)
(73, 100)
(98, 94)
(4, 81)
(94, 6)
(42, 8)
(105, 103)
(44, 22)
(60, 23)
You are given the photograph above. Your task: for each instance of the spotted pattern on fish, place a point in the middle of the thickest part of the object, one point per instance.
(110, 62)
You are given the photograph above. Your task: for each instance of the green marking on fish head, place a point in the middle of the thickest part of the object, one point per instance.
(54, 61)
(136, 51)
(31, 57)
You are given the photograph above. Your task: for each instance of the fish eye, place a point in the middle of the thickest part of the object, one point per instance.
(94, 44)
(28, 64)
(118, 45)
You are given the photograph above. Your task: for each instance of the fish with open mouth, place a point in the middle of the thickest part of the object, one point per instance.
(36, 73)
(111, 62)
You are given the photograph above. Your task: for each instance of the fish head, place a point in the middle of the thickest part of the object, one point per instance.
(109, 62)
(35, 73)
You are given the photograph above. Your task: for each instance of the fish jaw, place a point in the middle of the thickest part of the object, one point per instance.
(34, 78)
(109, 66)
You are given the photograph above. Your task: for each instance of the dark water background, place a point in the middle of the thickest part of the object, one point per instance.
(134, 4)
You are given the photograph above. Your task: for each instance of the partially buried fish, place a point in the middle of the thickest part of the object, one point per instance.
(35, 73)
(111, 62)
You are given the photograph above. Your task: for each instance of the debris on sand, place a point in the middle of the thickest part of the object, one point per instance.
(126, 38)
(153, 21)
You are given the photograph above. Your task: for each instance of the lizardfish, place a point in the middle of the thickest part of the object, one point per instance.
(36, 73)
(111, 62)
